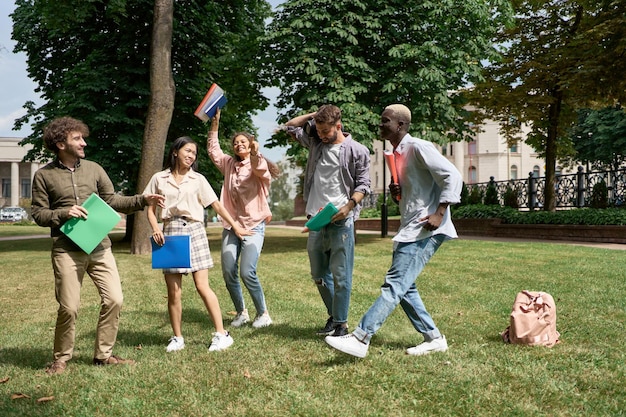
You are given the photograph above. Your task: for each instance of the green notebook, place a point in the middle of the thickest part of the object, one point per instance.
(322, 218)
(101, 219)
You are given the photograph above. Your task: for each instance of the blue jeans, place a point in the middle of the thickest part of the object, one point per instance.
(331, 255)
(409, 259)
(246, 251)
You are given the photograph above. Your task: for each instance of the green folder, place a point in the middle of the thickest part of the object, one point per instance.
(322, 218)
(101, 219)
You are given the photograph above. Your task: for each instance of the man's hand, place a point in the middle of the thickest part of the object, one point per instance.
(154, 199)
(396, 191)
(78, 212)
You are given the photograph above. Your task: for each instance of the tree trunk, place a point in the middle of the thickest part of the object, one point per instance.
(551, 149)
(160, 111)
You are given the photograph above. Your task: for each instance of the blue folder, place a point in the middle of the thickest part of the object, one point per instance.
(175, 252)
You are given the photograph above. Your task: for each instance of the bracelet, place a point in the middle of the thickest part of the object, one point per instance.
(354, 201)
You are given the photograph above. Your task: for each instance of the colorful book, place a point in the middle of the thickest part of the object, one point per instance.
(88, 233)
(213, 100)
(321, 219)
(175, 252)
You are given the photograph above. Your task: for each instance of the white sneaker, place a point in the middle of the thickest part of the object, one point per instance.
(220, 342)
(435, 345)
(240, 319)
(348, 344)
(176, 343)
(263, 320)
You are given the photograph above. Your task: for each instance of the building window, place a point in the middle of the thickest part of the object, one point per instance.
(444, 150)
(6, 188)
(25, 188)
(513, 148)
(375, 155)
(558, 171)
(513, 172)
(536, 171)
(471, 148)
(472, 175)
(451, 150)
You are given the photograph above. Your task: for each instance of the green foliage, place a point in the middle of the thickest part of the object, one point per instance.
(90, 60)
(599, 196)
(558, 56)
(510, 198)
(599, 138)
(475, 196)
(282, 210)
(491, 194)
(364, 55)
(580, 216)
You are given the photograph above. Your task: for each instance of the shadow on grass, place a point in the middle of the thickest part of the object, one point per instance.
(26, 357)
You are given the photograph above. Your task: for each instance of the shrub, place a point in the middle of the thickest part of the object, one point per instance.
(491, 195)
(510, 198)
(475, 196)
(599, 196)
(579, 216)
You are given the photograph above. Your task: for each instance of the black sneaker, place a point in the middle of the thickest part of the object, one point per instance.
(339, 331)
(329, 328)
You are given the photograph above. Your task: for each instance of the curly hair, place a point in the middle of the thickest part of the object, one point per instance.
(57, 130)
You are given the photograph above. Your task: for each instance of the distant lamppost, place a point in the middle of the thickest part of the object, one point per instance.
(383, 206)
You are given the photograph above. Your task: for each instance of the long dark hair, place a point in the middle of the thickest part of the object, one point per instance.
(170, 162)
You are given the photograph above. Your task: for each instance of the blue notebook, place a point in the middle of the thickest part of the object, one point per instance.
(101, 219)
(175, 252)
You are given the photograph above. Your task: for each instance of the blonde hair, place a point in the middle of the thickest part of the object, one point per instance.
(401, 111)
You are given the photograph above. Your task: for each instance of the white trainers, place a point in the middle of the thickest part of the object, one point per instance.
(220, 342)
(348, 344)
(263, 320)
(240, 319)
(435, 345)
(176, 343)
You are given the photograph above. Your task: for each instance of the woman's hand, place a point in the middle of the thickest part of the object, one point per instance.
(158, 237)
(215, 121)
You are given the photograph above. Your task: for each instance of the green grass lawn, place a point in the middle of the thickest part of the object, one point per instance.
(285, 369)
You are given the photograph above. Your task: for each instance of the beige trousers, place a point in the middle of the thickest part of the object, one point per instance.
(69, 270)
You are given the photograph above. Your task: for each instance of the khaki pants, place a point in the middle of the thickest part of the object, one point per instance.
(69, 270)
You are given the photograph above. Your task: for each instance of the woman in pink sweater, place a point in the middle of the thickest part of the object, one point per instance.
(247, 180)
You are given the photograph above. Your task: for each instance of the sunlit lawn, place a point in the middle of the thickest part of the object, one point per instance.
(286, 369)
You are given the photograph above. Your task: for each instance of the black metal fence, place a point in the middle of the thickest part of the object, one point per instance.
(582, 189)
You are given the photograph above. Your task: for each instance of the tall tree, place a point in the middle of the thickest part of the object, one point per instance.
(365, 54)
(599, 138)
(91, 60)
(555, 59)
(162, 93)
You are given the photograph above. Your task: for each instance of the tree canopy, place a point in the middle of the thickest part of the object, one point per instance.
(363, 55)
(599, 138)
(559, 56)
(91, 59)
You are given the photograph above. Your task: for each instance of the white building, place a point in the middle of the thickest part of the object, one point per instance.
(16, 176)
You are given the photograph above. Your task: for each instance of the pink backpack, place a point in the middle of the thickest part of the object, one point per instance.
(533, 320)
